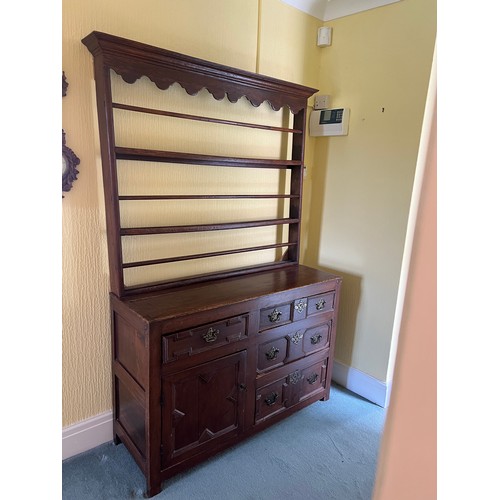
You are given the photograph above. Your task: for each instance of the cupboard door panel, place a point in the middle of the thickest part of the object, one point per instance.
(202, 405)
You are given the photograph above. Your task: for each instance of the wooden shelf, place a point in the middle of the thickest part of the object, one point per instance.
(150, 197)
(135, 290)
(185, 116)
(204, 255)
(200, 159)
(193, 228)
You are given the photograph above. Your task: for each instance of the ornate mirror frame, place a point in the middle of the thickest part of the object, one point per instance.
(69, 159)
(69, 163)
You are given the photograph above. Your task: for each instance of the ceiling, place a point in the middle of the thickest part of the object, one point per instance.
(326, 10)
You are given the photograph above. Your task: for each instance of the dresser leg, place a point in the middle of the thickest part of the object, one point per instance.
(116, 440)
(153, 489)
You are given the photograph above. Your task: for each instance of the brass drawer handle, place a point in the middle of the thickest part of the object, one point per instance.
(320, 304)
(300, 306)
(316, 339)
(272, 353)
(296, 337)
(312, 378)
(271, 399)
(274, 316)
(211, 335)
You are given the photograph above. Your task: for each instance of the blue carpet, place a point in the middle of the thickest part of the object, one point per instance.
(325, 451)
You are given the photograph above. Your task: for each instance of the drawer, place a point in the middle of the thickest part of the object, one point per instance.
(270, 400)
(291, 344)
(316, 338)
(275, 316)
(203, 338)
(296, 310)
(320, 303)
(273, 354)
(293, 387)
(313, 380)
(283, 313)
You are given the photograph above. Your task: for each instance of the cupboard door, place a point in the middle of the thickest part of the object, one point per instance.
(203, 406)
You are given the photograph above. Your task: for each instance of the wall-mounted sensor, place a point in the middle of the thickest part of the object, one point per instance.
(329, 122)
(324, 37)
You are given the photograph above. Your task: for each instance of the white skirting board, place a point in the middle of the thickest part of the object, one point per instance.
(97, 430)
(361, 383)
(87, 434)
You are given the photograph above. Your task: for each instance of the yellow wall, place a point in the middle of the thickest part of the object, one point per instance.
(238, 33)
(290, 35)
(378, 66)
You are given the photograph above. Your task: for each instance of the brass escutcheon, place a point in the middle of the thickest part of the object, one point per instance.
(300, 306)
(294, 377)
(211, 335)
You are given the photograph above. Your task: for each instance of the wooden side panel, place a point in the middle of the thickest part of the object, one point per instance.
(130, 349)
(130, 380)
(130, 414)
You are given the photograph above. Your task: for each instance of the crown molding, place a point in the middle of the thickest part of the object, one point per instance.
(327, 10)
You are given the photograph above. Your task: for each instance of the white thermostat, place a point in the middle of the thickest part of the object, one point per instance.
(325, 122)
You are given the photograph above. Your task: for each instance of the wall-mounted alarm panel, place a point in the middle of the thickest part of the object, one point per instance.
(329, 122)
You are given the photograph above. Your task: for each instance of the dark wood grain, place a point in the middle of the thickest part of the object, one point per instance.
(202, 278)
(202, 362)
(221, 253)
(195, 228)
(203, 359)
(186, 300)
(132, 60)
(200, 159)
(150, 197)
